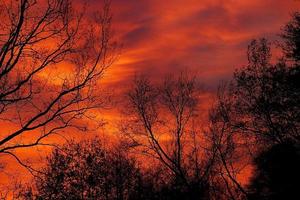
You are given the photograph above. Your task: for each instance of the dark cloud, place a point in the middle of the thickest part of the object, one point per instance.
(207, 36)
(137, 36)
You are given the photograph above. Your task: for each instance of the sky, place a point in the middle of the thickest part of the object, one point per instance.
(206, 37)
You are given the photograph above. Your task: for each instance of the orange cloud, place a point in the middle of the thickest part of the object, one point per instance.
(208, 36)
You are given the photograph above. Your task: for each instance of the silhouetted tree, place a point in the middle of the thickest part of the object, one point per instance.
(259, 108)
(86, 170)
(277, 173)
(227, 148)
(266, 97)
(37, 37)
(277, 167)
(291, 39)
(160, 124)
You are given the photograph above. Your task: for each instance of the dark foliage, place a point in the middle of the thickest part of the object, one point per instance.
(277, 175)
(277, 167)
(259, 110)
(87, 171)
(267, 97)
(290, 35)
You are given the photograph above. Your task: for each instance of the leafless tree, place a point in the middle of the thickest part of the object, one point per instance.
(229, 149)
(160, 125)
(51, 57)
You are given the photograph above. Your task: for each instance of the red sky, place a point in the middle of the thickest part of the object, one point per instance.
(209, 37)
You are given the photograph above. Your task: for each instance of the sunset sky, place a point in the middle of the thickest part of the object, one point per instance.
(207, 37)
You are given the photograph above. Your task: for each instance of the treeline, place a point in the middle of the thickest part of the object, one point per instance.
(254, 121)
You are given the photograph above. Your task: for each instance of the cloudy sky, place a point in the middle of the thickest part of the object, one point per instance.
(209, 37)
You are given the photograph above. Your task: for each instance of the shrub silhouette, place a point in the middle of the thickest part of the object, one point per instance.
(277, 175)
(86, 170)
